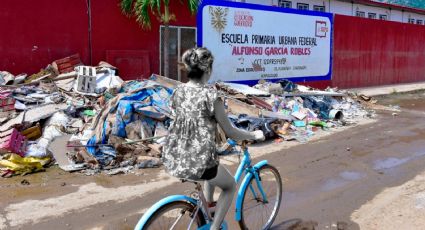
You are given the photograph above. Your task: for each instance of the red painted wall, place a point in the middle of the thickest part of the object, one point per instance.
(45, 30)
(34, 33)
(113, 31)
(372, 52)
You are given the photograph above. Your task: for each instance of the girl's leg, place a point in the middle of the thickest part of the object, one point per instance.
(209, 192)
(226, 182)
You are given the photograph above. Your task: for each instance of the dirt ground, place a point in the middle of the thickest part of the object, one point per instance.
(335, 180)
(399, 207)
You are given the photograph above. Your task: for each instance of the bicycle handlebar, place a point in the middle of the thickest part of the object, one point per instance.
(230, 145)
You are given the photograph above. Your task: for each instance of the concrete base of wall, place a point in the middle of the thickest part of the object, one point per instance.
(388, 89)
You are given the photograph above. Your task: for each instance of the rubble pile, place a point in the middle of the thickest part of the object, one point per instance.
(287, 111)
(86, 118)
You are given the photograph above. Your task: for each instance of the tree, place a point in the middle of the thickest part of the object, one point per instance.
(142, 9)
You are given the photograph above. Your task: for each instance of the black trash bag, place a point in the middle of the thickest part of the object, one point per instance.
(321, 105)
(250, 124)
(287, 86)
(71, 111)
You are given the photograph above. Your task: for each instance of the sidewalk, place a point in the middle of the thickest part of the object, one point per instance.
(388, 89)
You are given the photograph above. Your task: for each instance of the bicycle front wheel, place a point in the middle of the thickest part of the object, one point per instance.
(175, 216)
(257, 212)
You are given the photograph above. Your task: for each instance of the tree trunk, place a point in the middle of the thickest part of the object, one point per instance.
(166, 41)
(166, 50)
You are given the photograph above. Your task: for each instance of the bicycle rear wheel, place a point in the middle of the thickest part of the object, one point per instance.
(256, 213)
(175, 216)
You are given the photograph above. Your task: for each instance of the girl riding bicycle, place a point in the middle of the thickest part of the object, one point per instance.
(190, 148)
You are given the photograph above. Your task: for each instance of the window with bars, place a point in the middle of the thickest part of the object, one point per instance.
(411, 21)
(285, 4)
(360, 14)
(319, 8)
(371, 15)
(302, 6)
(180, 39)
(419, 22)
(383, 16)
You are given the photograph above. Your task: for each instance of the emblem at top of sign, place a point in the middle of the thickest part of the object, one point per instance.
(218, 17)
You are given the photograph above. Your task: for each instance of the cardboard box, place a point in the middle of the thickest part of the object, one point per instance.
(13, 141)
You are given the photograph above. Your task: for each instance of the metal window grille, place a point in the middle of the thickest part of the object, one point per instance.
(302, 6)
(360, 14)
(411, 20)
(319, 8)
(383, 17)
(419, 22)
(371, 15)
(180, 39)
(285, 4)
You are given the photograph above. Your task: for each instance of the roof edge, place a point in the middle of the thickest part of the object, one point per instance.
(390, 6)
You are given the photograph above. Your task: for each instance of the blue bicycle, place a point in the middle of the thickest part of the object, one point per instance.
(257, 203)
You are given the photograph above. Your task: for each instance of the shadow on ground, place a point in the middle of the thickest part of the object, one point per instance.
(299, 224)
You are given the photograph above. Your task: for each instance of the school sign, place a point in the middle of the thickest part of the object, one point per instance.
(252, 42)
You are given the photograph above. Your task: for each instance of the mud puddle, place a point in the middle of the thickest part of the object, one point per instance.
(413, 100)
(343, 179)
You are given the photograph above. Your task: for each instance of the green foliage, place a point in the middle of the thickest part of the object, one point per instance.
(142, 9)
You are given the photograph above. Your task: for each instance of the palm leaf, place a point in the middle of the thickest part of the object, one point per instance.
(126, 7)
(155, 6)
(141, 10)
(193, 5)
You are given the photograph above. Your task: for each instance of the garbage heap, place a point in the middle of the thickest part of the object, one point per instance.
(287, 111)
(86, 118)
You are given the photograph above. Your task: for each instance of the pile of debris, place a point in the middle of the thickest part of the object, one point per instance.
(287, 111)
(80, 117)
(88, 119)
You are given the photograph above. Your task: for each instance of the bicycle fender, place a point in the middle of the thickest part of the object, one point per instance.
(141, 224)
(243, 187)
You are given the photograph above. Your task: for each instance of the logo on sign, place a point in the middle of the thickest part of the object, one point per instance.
(218, 17)
(243, 19)
(321, 29)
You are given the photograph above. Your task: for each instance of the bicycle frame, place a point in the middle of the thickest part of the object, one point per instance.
(250, 171)
(244, 167)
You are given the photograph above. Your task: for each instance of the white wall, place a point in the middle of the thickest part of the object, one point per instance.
(260, 2)
(396, 15)
(311, 3)
(347, 8)
(415, 16)
(370, 9)
(343, 8)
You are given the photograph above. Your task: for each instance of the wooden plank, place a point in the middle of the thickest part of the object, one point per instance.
(167, 82)
(237, 107)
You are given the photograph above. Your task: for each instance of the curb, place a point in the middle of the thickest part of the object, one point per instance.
(388, 89)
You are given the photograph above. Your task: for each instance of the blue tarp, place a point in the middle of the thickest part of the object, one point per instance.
(152, 96)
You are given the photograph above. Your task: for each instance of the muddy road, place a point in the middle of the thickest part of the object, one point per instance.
(325, 180)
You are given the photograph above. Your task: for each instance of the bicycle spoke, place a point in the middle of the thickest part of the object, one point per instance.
(174, 216)
(258, 214)
(194, 216)
(178, 219)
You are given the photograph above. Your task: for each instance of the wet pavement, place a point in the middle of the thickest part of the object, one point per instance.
(325, 181)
